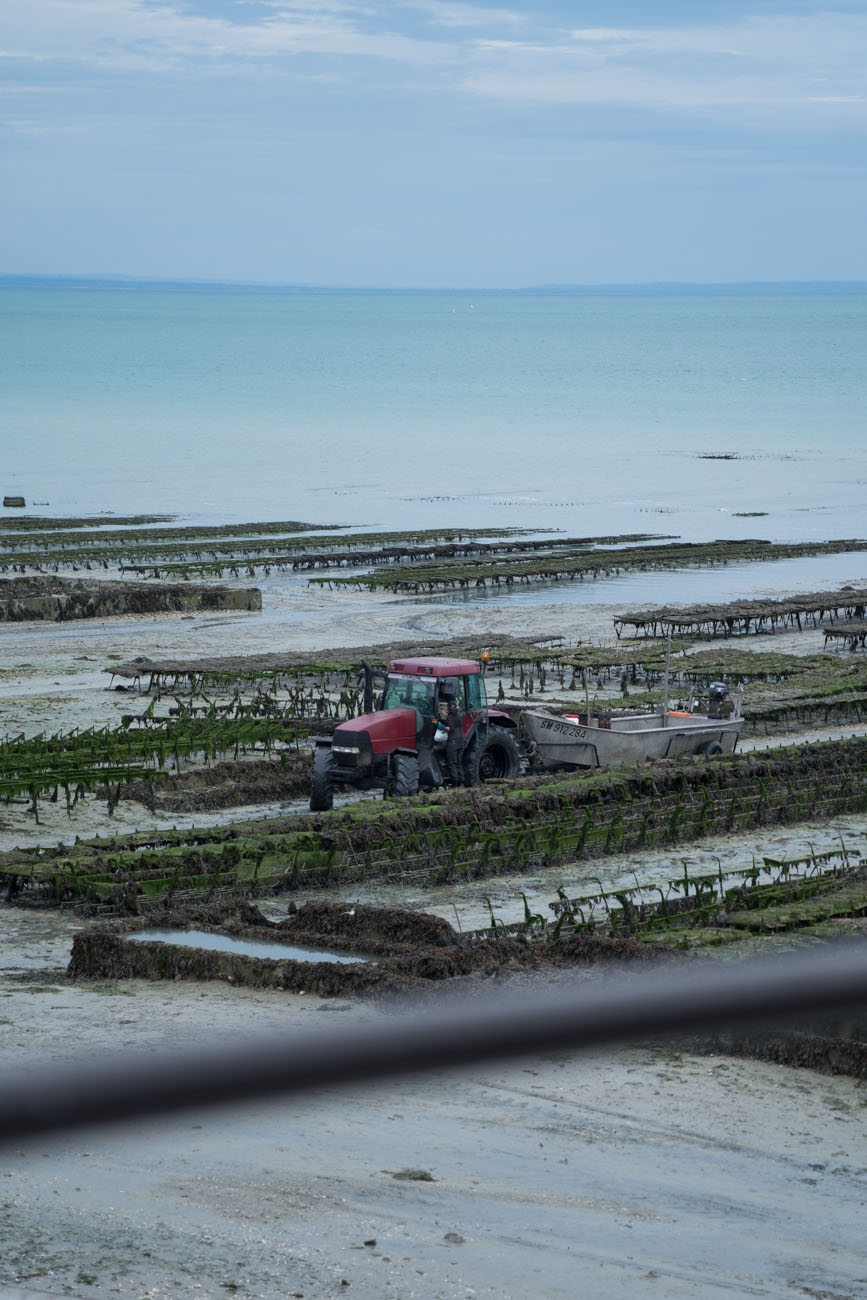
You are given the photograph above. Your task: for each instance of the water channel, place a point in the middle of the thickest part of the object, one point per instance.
(244, 947)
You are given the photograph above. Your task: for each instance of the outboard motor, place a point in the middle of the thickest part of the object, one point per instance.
(718, 703)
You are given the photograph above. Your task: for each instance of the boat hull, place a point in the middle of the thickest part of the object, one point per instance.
(566, 742)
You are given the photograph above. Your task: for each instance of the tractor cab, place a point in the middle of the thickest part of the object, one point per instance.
(425, 684)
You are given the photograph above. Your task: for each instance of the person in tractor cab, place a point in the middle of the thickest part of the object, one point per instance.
(450, 719)
(447, 690)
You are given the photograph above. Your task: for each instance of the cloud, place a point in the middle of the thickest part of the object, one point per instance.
(23, 126)
(760, 60)
(125, 34)
(503, 55)
(447, 14)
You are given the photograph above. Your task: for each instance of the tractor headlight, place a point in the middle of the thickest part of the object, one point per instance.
(352, 749)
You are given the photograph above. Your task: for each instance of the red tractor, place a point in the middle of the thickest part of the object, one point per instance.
(397, 749)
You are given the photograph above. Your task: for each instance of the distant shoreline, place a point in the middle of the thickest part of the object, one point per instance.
(662, 288)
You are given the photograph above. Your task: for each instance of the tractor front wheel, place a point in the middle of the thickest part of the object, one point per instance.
(322, 786)
(405, 776)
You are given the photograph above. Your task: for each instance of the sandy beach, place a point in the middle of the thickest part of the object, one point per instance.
(648, 1171)
(635, 1172)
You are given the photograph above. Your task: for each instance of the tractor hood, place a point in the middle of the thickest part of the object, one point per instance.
(388, 729)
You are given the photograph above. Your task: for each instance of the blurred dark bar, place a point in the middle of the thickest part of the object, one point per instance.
(642, 1002)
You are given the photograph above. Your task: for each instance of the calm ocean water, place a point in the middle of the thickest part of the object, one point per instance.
(590, 412)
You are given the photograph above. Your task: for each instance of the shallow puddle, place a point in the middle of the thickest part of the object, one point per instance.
(247, 947)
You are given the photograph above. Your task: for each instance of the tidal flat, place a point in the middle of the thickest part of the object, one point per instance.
(632, 1169)
(619, 1174)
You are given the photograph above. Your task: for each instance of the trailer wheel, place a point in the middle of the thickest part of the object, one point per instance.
(712, 749)
(500, 760)
(405, 776)
(322, 785)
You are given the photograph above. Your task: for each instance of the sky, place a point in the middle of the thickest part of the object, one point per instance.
(434, 143)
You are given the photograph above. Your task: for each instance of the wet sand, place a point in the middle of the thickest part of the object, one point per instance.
(646, 1171)
(643, 1172)
(52, 675)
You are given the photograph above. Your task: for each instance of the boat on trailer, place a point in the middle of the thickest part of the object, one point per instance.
(600, 740)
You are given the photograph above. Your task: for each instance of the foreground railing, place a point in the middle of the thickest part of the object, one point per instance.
(683, 997)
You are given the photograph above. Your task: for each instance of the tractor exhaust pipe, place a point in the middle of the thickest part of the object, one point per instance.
(368, 686)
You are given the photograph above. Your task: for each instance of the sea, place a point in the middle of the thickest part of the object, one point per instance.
(701, 413)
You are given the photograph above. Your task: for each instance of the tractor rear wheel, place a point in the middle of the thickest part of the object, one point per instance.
(499, 760)
(322, 785)
(405, 776)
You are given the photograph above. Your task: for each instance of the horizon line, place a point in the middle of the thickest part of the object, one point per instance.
(9, 278)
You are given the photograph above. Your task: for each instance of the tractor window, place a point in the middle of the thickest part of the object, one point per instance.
(476, 698)
(409, 693)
